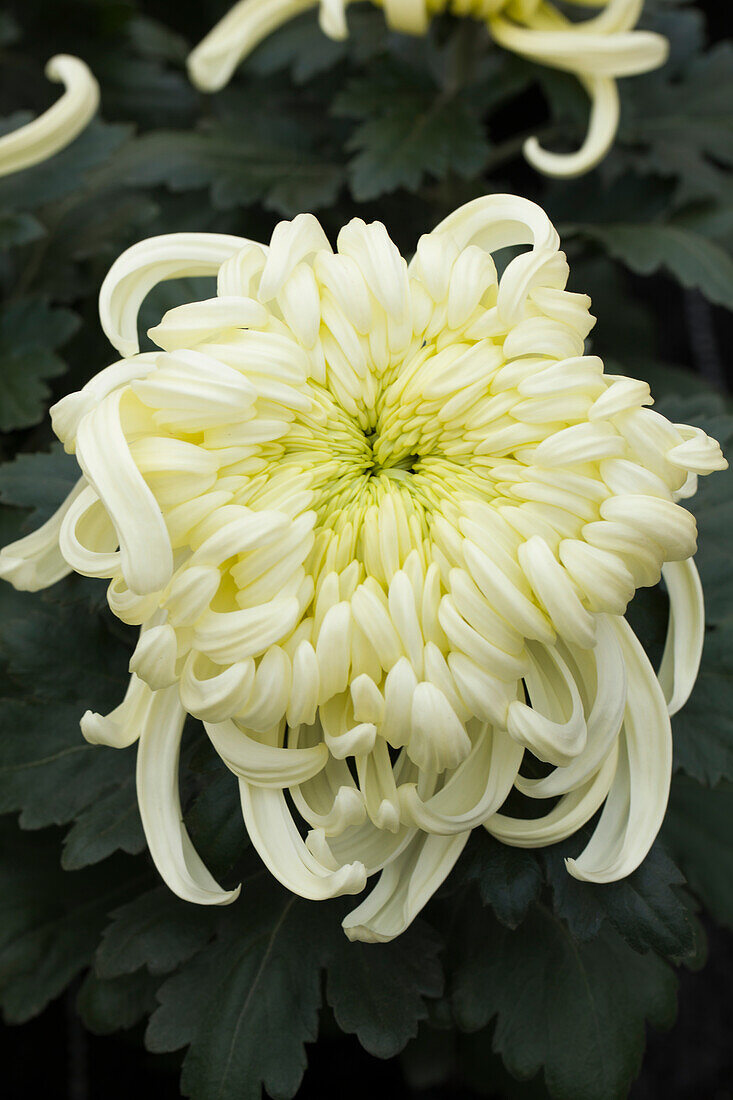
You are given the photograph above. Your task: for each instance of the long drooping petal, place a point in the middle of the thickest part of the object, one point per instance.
(597, 51)
(68, 413)
(144, 265)
(565, 818)
(160, 804)
(686, 633)
(273, 832)
(601, 674)
(473, 793)
(59, 125)
(35, 561)
(104, 454)
(404, 887)
(214, 60)
(264, 765)
(638, 797)
(122, 726)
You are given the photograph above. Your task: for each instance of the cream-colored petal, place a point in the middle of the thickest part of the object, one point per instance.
(602, 676)
(35, 561)
(160, 807)
(566, 817)
(104, 455)
(685, 633)
(59, 125)
(122, 726)
(273, 833)
(264, 765)
(473, 792)
(214, 60)
(638, 797)
(134, 274)
(404, 887)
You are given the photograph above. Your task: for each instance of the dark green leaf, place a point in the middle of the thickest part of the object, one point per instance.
(157, 931)
(64, 173)
(30, 332)
(48, 772)
(39, 482)
(698, 832)
(508, 879)
(678, 121)
(377, 991)
(16, 229)
(409, 130)
(215, 822)
(240, 169)
(67, 657)
(50, 921)
(247, 1006)
(112, 823)
(107, 1006)
(703, 729)
(689, 257)
(576, 1010)
(645, 908)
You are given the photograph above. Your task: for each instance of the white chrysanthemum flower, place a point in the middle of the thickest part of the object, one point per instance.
(59, 125)
(597, 50)
(379, 524)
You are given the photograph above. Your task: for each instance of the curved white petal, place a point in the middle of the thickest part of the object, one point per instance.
(473, 792)
(602, 675)
(567, 816)
(35, 561)
(104, 455)
(602, 126)
(264, 765)
(59, 125)
(68, 413)
(554, 726)
(273, 833)
(160, 806)
(214, 60)
(685, 633)
(87, 538)
(134, 274)
(189, 324)
(498, 221)
(123, 725)
(330, 802)
(404, 887)
(219, 695)
(638, 797)
(573, 48)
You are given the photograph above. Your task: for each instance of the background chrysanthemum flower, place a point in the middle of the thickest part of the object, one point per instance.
(379, 524)
(597, 50)
(60, 124)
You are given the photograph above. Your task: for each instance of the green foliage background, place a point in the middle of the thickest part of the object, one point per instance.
(514, 961)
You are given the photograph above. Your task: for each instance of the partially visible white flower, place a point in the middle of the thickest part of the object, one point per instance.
(596, 50)
(379, 524)
(59, 125)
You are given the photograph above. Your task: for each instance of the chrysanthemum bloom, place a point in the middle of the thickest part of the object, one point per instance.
(379, 524)
(597, 50)
(59, 125)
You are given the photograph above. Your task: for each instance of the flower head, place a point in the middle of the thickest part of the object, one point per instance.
(59, 125)
(597, 50)
(379, 524)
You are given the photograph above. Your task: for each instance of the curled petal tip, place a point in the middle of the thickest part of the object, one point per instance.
(60, 124)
